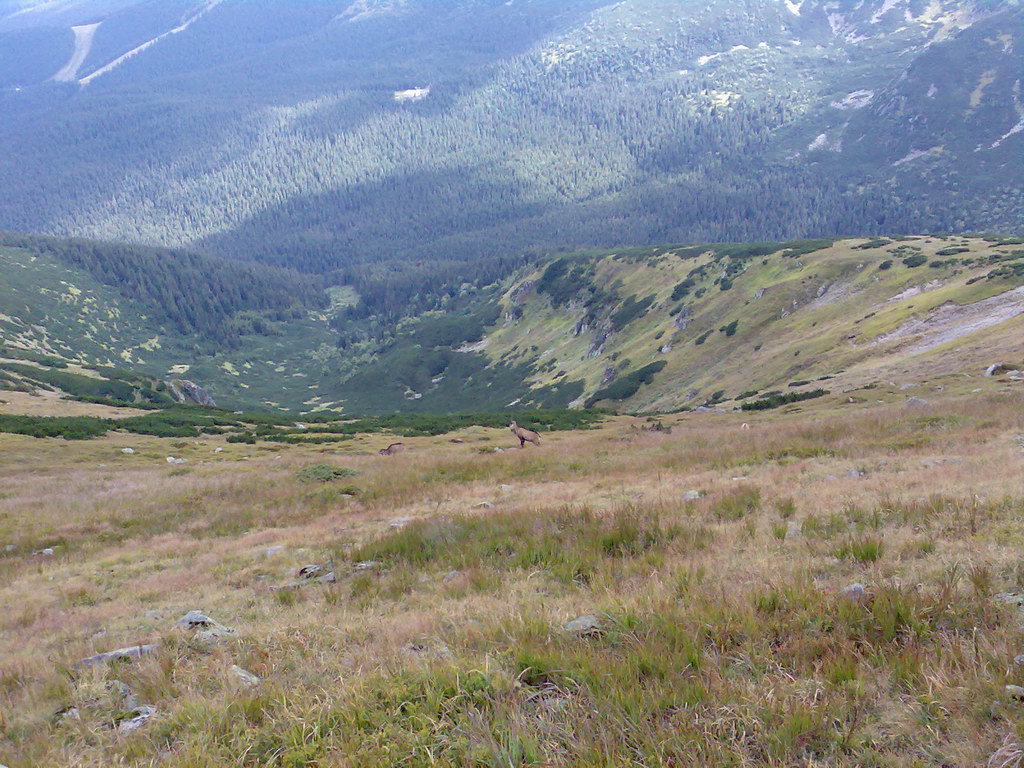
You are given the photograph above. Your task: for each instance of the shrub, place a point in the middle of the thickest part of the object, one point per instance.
(777, 400)
(630, 310)
(323, 473)
(683, 289)
(737, 503)
(887, 264)
(916, 260)
(626, 386)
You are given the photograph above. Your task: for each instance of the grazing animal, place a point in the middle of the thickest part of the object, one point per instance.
(392, 449)
(525, 435)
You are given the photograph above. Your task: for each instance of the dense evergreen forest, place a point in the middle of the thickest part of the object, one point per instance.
(406, 148)
(215, 299)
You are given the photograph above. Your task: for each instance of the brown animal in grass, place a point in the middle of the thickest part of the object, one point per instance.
(525, 435)
(392, 449)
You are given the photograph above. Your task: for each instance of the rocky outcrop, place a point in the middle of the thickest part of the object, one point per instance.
(190, 393)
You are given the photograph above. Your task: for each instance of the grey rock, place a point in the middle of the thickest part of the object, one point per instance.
(506, 488)
(8, 548)
(450, 576)
(855, 593)
(1018, 659)
(244, 676)
(1010, 598)
(122, 694)
(995, 369)
(127, 451)
(483, 505)
(310, 571)
(584, 626)
(121, 654)
(328, 578)
(692, 495)
(793, 530)
(190, 393)
(916, 402)
(855, 473)
(1015, 692)
(153, 615)
(271, 551)
(400, 522)
(48, 552)
(173, 460)
(68, 713)
(140, 716)
(367, 565)
(203, 626)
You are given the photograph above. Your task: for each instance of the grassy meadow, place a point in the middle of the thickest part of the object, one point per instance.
(615, 597)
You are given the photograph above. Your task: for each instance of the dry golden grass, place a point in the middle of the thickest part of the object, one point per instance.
(43, 403)
(723, 641)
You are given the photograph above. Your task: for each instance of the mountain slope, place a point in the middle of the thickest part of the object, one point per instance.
(396, 144)
(719, 323)
(636, 329)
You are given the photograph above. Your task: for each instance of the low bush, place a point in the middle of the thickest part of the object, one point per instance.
(777, 400)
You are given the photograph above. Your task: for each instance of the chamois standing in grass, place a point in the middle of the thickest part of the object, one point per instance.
(392, 449)
(525, 435)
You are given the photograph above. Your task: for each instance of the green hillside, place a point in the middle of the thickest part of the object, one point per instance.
(249, 357)
(658, 328)
(705, 324)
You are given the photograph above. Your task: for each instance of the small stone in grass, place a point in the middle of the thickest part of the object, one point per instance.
(244, 676)
(1015, 692)
(584, 626)
(855, 593)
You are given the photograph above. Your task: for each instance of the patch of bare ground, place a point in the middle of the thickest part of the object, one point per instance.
(952, 321)
(712, 567)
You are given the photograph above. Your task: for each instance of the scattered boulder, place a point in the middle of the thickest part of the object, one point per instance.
(483, 505)
(190, 393)
(139, 717)
(128, 451)
(367, 565)
(855, 473)
(1019, 659)
(400, 522)
(122, 694)
(271, 551)
(855, 593)
(244, 676)
(173, 460)
(692, 496)
(203, 627)
(62, 715)
(793, 530)
(584, 626)
(916, 402)
(1015, 692)
(996, 368)
(310, 571)
(121, 654)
